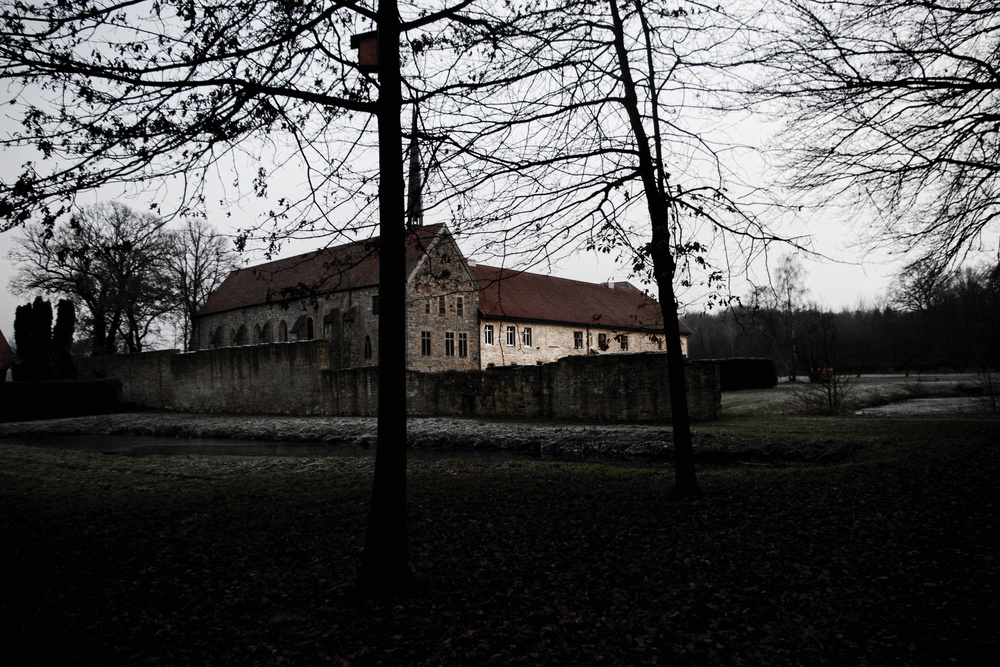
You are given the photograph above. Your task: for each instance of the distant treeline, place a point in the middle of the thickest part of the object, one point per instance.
(940, 323)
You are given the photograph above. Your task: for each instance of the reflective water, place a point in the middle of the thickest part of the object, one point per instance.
(140, 445)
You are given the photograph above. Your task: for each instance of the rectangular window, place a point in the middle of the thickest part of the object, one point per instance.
(442, 308)
(488, 334)
(623, 339)
(375, 305)
(449, 344)
(459, 306)
(511, 337)
(577, 340)
(463, 344)
(425, 343)
(602, 341)
(427, 307)
(527, 336)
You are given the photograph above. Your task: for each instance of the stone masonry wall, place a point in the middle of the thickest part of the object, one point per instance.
(283, 378)
(295, 378)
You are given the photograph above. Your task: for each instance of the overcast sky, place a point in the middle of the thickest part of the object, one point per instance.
(843, 281)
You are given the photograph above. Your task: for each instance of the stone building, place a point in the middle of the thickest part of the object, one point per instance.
(529, 318)
(333, 294)
(461, 316)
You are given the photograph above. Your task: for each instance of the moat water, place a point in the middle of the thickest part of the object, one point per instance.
(142, 445)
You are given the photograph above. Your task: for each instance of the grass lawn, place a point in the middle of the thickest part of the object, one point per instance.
(884, 553)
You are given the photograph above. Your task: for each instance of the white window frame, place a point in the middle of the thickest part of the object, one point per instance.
(487, 334)
(526, 334)
(511, 336)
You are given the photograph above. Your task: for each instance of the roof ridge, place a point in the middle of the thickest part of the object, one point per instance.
(334, 248)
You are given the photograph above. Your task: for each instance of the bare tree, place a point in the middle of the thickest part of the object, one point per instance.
(178, 92)
(893, 105)
(200, 260)
(598, 140)
(779, 306)
(109, 258)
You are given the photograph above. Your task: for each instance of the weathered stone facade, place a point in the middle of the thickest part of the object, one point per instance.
(442, 312)
(551, 342)
(296, 379)
(346, 315)
(460, 315)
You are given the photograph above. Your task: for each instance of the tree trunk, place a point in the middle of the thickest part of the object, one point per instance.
(384, 563)
(661, 255)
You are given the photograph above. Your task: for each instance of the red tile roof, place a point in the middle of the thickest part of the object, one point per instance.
(334, 269)
(6, 354)
(532, 296)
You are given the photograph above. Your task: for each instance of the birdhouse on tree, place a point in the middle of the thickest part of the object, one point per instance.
(367, 45)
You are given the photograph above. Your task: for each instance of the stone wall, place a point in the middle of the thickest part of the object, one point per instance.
(295, 378)
(618, 388)
(283, 378)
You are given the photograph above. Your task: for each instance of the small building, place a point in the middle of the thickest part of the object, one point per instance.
(460, 315)
(6, 357)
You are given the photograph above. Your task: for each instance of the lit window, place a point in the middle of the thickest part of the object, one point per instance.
(463, 344)
(578, 340)
(511, 337)
(623, 339)
(527, 336)
(449, 344)
(459, 306)
(488, 334)
(442, 308)
(425, 343)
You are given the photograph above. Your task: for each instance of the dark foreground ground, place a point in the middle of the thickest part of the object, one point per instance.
(885, 556)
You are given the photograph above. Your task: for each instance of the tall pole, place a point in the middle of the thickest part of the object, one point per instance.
(385, 562)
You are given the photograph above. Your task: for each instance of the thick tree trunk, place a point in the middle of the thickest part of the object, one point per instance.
(385, 562)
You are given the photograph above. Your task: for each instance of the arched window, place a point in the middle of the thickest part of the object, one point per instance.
(282, 332)
(256, 334)
(265, 332)
(240, 338)
(368, 347)
(232, 337)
